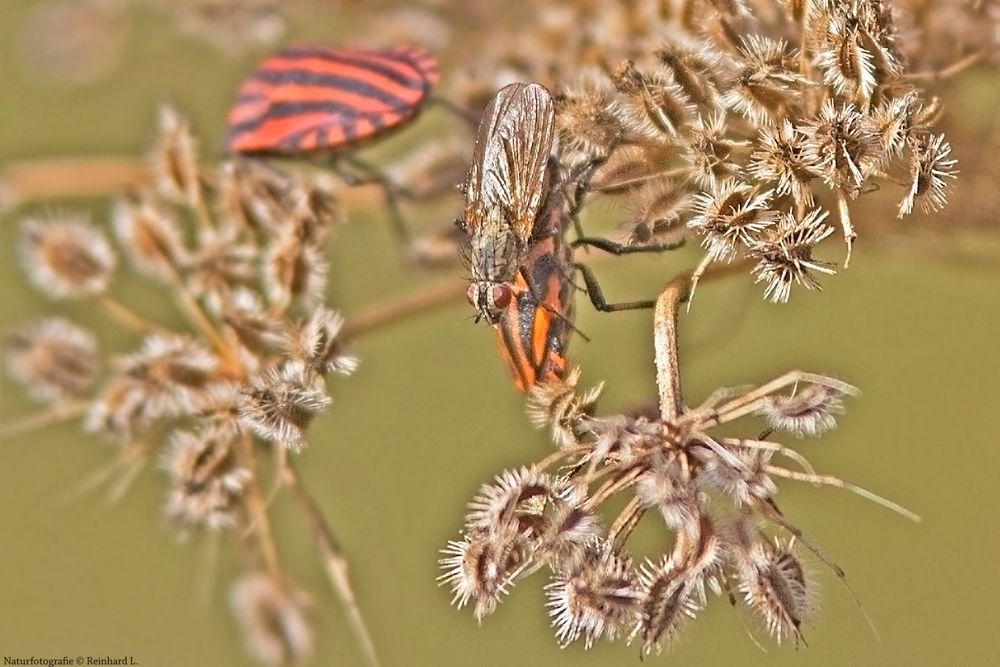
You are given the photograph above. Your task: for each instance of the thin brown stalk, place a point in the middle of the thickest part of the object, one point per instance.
(335, 564)
(128, 317)
(387, 313)
(56, 415)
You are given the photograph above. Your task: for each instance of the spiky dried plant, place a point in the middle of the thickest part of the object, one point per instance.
(551, 515)
(240, 251)
(751, 127)
(752, 121)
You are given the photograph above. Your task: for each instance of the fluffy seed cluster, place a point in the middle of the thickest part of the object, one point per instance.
(240, 252)
(749, 127)
(533, 519)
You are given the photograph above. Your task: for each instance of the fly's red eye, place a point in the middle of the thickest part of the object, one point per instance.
(501, 296)
(470, 295)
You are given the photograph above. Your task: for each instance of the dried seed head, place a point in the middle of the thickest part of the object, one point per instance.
(657, 209)
(807, 412)
(710, 152)
(65, 256)
(273, 617)
(657, 107)
(765, 82)
(482, 567)
(587, 119)
(119, 410)
(53, 359)
(316, 343)
(665, 487)
(929, 167)
(565, 526)
(741, 476)
(631, 167)
(280, 403)
(780, 158)
(891, 122)
(555, 403)
(219, 266)
(498, 505)
(692, 70)
(843, 146)
(257, 330)
(731, 215)
(597, 599)
(175, 160)
(785, 256)
(174, 373)
(667, 601)
(294, 271)
(150, 235)
(776, 585)
(847, 66)
(206, 477)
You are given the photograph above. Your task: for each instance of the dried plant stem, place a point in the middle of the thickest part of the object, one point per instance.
(668, 376)
(259, 522)
(71, 177)
(626, 522)
(954, 69)
(196, 316)
(56, 415)
(400, 308)
(128, 317)
(66, 177)
(334, 563)
(836, 482)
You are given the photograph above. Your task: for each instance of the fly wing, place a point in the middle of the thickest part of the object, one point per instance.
(511, 158)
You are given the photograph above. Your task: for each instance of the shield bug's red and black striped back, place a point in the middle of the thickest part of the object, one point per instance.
(315, 99)
(535, 328)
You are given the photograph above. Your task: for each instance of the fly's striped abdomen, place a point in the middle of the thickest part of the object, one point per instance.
(312, 99)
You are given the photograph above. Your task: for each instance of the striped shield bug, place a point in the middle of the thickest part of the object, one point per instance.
(506, 189)
(325, 100)
(534, 329)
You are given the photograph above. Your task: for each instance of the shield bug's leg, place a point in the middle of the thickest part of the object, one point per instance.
(467, 117)
(597, 296)
(391, 191)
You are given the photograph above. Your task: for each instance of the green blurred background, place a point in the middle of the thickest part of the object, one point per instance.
(431, 415)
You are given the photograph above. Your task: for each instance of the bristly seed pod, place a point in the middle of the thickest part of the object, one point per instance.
(65, 256)
(808, 412)
(207, 480)
(150, 235)
(54, 359)
(175, 160)
(929, 167)
(280, 403)
(597, 599)
(785, 256)
(272, 616)
(482, 567)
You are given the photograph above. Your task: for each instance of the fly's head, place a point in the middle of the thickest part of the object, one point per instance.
(492, 256)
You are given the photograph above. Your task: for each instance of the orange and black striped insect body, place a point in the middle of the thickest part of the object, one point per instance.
(534, 329)
(318, 100)
(506, 189)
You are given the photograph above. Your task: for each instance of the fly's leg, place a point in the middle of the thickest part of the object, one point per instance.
(597, 296)
(616, 248)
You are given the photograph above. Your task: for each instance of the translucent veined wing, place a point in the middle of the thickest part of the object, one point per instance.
(510, 162)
